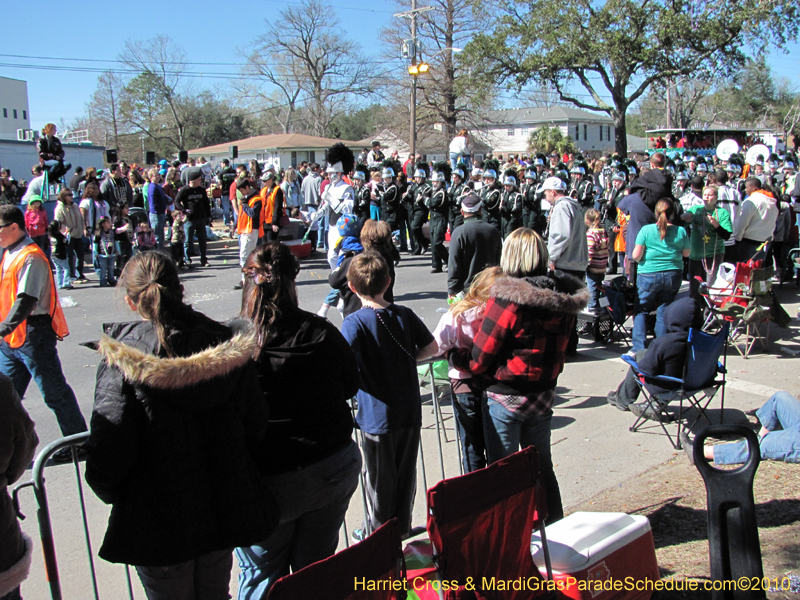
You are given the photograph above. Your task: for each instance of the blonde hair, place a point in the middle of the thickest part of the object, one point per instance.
(478, 292)
(665, 210)
(592, 216)
(713, 188)
(524, 254)
(49, 129)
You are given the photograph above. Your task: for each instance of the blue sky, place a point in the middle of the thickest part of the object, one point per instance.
(209, 33)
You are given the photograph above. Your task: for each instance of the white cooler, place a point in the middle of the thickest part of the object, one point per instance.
(600, 556)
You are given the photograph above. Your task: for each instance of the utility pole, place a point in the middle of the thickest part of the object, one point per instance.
(413, 70)
(413, 126)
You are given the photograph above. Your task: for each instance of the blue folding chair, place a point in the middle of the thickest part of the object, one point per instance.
(698, 387)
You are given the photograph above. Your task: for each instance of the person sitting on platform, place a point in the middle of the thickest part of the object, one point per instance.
(665, 356)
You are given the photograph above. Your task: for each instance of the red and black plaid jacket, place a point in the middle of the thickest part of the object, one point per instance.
(520, 347)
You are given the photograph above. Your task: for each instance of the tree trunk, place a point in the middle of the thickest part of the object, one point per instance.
(620, 133)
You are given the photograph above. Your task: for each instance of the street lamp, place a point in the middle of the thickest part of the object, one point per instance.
(415, 69)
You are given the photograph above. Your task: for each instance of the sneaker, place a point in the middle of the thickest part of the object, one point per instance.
(238, 286)
(612, 400)
(65, 455)
(630, 353)
(687, 446)
(646, 411)
(359, 535)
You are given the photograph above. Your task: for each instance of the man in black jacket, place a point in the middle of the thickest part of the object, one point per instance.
(665, 356)
(226, 177)
(192, 200)
(474, 246)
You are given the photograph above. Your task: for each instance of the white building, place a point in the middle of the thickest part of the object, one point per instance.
(14, 112)
(281, 150)
(509, 130)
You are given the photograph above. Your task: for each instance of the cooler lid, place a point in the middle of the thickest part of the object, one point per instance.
(583, 538)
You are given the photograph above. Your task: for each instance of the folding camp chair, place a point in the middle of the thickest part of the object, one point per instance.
(745, 304)
(698, 387)
(480, 525)
(364, 571)
(620, 310)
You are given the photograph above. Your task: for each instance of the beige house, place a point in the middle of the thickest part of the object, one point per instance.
(281, 150)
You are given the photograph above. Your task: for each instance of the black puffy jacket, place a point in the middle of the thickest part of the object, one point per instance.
(172, 441)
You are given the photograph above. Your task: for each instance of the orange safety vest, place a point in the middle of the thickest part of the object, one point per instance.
(244, 224)
(268, 208)
(9, 282)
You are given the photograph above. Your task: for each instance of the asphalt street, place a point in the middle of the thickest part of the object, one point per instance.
(592, 447)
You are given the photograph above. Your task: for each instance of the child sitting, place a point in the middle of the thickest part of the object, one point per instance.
(145, 238)
(177, 237)
(388, 340)
(105, 253)
(36, 224)
(597, 240)
(457, 329)
(60, 255)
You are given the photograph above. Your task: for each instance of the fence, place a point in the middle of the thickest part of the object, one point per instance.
(438, 423)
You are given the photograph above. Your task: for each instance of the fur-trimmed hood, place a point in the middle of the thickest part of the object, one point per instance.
(129, 349)
(18, 572)
(556, 292)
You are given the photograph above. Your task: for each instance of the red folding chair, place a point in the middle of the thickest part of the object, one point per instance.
(370, 570)
(480, 527)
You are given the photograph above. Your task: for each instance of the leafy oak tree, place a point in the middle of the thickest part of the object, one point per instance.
(617, 49)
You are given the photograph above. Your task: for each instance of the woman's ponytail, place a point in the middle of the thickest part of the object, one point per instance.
(665, 211)
(151, 282)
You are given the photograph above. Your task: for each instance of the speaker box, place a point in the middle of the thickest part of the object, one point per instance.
(149, 158)
(111, 156)
(183, 156)
(234, 152)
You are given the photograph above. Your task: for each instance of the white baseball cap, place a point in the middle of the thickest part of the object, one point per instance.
(552, 183)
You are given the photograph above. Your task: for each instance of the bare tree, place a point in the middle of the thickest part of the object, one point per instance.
(302, 60)
(544, 96)
(103, 110)
(161, 64)
(441, 33)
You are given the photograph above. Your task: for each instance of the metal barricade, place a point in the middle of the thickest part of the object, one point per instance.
(37, 482)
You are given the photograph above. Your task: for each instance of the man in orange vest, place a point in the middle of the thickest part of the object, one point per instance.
(248, 223)
(32, 322)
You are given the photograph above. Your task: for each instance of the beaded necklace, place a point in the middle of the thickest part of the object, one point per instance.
(391, 335)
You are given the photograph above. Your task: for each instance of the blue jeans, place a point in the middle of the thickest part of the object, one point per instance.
(197, 226)
(455, 158)
(656, 292)
(56, 168)
(313, 502)
(594, 281)
(781, 415)
(227, 209)
(206, 577)
(62, 272)
(104, 267)
(157, 225)
(38, 358)
(507, 432)
(469, 423)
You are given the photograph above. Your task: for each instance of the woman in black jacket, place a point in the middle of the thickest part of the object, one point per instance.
(178, 415)
(308, 373)
(51, 153)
